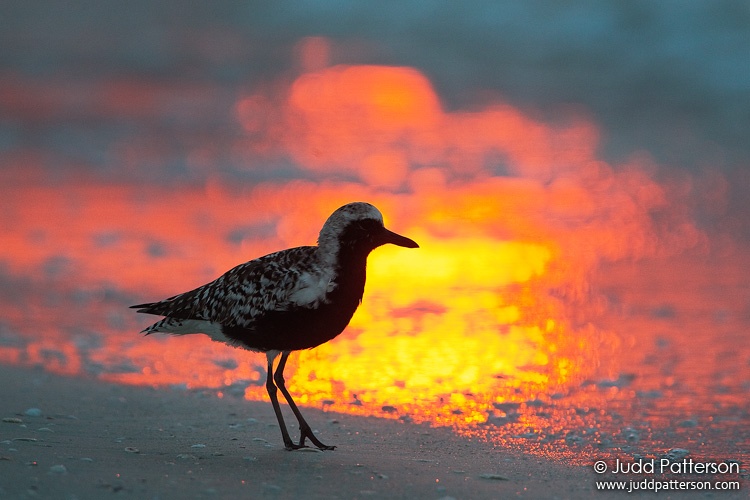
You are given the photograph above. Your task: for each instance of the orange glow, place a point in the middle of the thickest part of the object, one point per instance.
(352, 119)
(493, 326)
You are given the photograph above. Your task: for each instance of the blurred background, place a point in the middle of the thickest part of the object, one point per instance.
(576, 174)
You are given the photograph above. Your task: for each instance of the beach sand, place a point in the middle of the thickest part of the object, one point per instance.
(98, 440)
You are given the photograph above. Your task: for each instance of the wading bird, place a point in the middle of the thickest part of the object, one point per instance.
(289, 300)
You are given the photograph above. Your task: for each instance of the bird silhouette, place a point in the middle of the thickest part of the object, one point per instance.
(289, 300)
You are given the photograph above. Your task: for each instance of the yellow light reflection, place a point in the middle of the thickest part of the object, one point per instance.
(433, 325)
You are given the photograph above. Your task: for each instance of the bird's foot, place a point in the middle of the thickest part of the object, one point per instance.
(307, 433)
(290, 446)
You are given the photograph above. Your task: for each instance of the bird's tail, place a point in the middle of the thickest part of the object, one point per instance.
(180, 317)
(147, 307)
(177, 326)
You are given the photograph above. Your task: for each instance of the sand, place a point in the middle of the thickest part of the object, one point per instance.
(97, 440)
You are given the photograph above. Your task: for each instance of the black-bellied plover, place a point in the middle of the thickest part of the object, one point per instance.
(294, 299)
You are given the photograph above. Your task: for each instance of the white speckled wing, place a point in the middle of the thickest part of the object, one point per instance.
(240, 296)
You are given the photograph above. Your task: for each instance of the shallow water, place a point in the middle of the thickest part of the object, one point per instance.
(649, 358)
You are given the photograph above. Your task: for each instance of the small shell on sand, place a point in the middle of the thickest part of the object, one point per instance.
(58, 469)
(496, 477)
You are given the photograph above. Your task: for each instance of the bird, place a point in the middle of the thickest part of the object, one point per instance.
(286, 301)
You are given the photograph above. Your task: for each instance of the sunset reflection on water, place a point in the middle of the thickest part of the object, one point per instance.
(557, 303)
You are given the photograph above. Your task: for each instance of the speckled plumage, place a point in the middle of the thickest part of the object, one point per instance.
(243, 294)
(288, 300)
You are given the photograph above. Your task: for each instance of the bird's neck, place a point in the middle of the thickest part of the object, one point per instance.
(348, 262)
(343, 255)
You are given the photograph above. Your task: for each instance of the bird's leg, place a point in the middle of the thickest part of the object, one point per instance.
(288, 443)
(304, 427)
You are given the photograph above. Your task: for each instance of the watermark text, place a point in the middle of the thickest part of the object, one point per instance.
(665, 467)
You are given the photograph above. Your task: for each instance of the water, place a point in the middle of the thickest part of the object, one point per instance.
(650, 358)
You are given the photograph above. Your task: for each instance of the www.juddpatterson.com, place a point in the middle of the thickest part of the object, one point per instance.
(666, 466)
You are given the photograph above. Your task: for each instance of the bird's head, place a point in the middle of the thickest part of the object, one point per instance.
(358, 227)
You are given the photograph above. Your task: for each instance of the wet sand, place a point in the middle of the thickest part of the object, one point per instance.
(93, 440)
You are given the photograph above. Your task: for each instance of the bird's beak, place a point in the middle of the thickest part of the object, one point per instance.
(397, 239)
